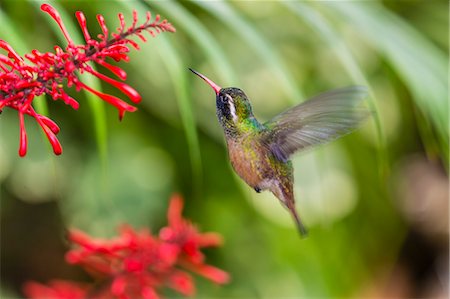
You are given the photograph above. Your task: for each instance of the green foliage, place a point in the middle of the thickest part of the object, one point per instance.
(280, 53)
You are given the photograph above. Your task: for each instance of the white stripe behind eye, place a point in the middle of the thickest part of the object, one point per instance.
(232, 108)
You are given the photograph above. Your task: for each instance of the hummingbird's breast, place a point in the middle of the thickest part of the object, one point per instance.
(249, 159)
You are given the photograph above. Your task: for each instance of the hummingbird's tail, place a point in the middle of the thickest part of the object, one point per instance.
(301, 228)
(285, 193)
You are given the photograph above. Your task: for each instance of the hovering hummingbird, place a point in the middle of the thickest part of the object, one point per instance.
(260, 152)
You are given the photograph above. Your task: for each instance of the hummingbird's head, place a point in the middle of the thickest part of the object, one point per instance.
(233, 106)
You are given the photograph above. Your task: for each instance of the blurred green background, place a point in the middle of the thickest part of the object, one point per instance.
(375, 202)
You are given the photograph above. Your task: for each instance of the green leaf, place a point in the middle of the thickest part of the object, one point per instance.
(244, 29)
(178, 73)
(336, 42)
(422, 66)
(195, 29)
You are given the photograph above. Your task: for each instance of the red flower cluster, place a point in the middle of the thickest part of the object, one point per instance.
(57, 289)
(20, 82)
(136, 264)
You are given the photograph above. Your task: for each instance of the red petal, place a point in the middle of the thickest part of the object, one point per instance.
(148, 16)
(101, 22)
(56, 289)
(149, 293)
(135, 18)
(182, 282)
(212, 273)
(73, 257)
(167, 233)
(168, 253)
(23, 136)
(133, 44)
(118, 286)
(134, 265)
(50, 123)
(26, 84)
(114, 69)
(126, 89)
(122, 22)
(10, 50)
(69, 100)
(82, 21)
(36, 290)
(209, 239)
(55, 15)
(174, 212)
(78, 237)
(57, 149)
(118, 103)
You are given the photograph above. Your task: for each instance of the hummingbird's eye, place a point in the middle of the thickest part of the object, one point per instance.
(227, 99)
(224, 99)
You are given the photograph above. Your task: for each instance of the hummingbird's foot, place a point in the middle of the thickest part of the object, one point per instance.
(257, 189)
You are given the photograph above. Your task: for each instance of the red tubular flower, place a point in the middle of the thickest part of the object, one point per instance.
(137, 264)
(188, 238)
(20, 82)
(56, 289)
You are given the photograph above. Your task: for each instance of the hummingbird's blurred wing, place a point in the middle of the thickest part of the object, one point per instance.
(323, 118)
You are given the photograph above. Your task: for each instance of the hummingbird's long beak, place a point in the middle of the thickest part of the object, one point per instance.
(214, 86)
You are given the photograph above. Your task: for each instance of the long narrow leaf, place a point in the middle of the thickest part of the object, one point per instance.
(320, 25)
(224, 12)
(198, 32)
(422, 66)
(179, 73)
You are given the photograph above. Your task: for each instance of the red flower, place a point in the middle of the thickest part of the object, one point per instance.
(137, 264)
(181, 232)
(20, 82)
(57, 289)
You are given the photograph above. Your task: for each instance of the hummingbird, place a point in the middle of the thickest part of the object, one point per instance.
(260, 152)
